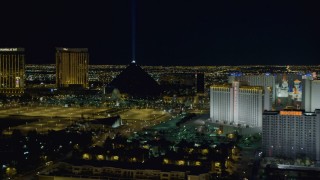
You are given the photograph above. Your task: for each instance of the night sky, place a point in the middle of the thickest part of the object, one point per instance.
(168, 32)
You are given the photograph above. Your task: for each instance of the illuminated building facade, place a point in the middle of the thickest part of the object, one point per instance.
(12, 72)
(90, 172)
(238, 104)
(267, 80)
(315, 95)
(311, 97)
(72, 67)
(290, 133)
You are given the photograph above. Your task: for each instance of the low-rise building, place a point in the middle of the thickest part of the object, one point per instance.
(118, 171)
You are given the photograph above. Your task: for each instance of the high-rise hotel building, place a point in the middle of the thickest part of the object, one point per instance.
(311, 95)
(294, 133)
(237, 104)
(72, 67)
(12, 62)
(267, 80)
(291, 133)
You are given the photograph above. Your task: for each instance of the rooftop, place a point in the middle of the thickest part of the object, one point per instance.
(72, 49)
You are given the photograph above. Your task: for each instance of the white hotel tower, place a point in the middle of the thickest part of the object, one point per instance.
(311, 95)
(237, 104)
(267, 80)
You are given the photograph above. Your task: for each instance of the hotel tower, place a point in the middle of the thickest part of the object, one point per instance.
(72, 67)
(291, 133)
(237, 104)
(12, 61)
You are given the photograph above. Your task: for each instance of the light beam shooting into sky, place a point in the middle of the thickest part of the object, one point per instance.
(133, 30)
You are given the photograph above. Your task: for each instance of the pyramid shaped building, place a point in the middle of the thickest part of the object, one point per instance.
(136, 82)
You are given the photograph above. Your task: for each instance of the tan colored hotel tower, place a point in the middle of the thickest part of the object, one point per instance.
(12, 61)
(72, 67)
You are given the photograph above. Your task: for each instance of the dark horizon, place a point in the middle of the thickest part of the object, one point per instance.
(167, 32)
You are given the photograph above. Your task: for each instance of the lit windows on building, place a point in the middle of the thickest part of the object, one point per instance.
(237, 104)
(72, 67)
(290, 133)
(12, 71)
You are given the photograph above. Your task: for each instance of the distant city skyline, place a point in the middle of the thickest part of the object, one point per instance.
(167, 32)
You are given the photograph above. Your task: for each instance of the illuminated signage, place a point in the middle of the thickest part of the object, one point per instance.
(314, 75)
(291, 113)
(17, 82)
(8, 49)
